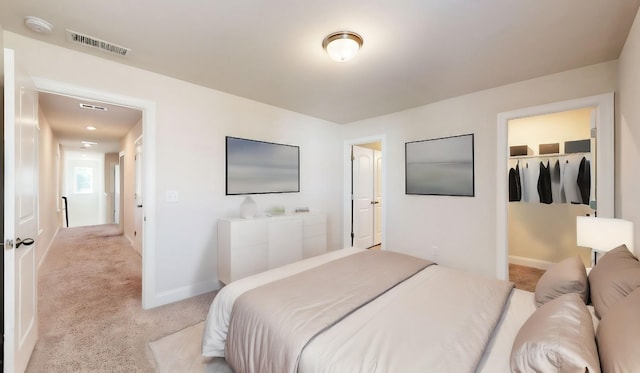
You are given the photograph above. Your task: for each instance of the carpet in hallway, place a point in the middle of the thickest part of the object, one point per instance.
(90, 311)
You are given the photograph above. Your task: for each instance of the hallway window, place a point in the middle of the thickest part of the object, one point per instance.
(83, 180)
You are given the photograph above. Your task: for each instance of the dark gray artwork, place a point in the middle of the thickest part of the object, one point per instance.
(256, 167)
(440, 166)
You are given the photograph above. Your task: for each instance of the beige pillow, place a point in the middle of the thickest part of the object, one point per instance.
(567, 276)
(557, 337)
(619, 335)
(614, 277)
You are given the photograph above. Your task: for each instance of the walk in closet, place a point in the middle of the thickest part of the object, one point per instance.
(551, 180)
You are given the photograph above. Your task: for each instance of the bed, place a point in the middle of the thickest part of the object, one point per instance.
(347, 311)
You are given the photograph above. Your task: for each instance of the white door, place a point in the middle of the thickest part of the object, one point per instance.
(20, 215)
(363, 198)
(377, 191)
(116, 190)
(138, 214)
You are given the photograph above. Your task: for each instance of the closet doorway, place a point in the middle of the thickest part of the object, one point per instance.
(601, 140)
(552, 180)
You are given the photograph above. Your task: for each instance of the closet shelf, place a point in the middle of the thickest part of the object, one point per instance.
(546, 155)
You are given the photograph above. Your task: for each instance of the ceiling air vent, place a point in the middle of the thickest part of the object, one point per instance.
(93, 107)
(78, 38)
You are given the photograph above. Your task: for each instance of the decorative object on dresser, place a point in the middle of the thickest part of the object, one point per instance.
(248, 209)
(247, 247)
(275, 211)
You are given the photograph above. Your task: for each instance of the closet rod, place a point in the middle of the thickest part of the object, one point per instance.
(546, 155)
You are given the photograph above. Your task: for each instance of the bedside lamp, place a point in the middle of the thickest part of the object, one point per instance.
(603, 234)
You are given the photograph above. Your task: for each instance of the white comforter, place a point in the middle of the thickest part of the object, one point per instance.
(378, 352)
(440, 320)
(219, 317)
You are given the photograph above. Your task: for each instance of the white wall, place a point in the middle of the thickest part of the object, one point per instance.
(84, 208)
(49, 198)
(551, 128)
(128, 146)
(461, 231)
(110, 160)
(191, 126)
(628, 132)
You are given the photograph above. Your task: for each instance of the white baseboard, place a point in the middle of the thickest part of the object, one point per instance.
(530, 262)
(128, 238)
(46, 251)
(184, 292)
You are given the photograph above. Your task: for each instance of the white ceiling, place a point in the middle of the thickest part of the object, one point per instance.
(415, 51)
(69, 121)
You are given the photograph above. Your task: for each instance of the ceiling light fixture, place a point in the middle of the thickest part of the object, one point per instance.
(342, 46)
(90, 128)
(38, 25)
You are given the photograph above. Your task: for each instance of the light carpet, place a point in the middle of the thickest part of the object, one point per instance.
(180, 352)
(90, 315)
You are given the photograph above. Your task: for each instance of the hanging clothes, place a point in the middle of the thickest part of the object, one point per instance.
(569, 177)
(544, 184)
(584, 180)
(515, 187)
(530, 183)
(551, 179)
(555, 181)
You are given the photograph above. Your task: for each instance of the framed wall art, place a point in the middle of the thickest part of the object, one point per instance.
(443, 166)
(259, 167)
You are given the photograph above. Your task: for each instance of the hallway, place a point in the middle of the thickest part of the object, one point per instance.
(89, 306)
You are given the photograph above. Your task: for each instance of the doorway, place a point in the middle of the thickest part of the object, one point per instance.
(137, 196)
(148, 112)
(116, 193)
(603, 121)
(90, 134)
(552, 180)
(364, 218)
(366, 178)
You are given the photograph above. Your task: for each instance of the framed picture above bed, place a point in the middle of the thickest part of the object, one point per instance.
(442, 166)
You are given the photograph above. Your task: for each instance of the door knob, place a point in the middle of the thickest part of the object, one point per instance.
(26, 242)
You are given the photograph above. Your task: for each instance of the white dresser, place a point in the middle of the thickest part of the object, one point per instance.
(249, 246)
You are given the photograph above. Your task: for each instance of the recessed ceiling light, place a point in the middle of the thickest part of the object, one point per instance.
(90, 128)
(87, 144)
(38, 25)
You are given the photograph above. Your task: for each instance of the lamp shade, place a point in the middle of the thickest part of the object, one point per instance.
(342, 46)
(603, 234)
